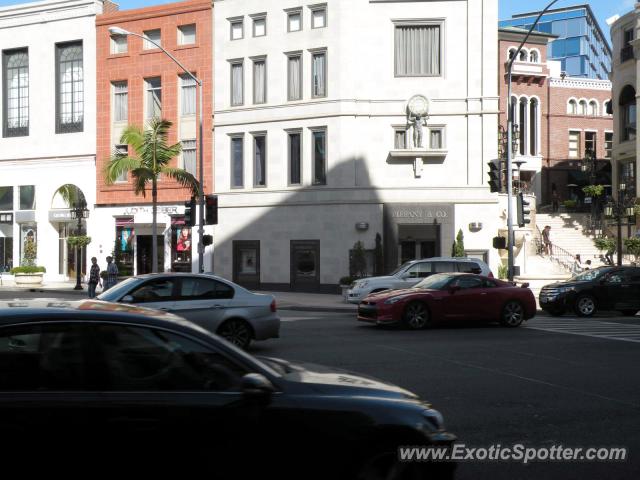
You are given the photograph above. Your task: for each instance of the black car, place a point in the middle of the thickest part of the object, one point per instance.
(125, 390)
(603, 288)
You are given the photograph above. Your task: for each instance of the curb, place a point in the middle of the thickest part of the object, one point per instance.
(45, 290)
(302, 308)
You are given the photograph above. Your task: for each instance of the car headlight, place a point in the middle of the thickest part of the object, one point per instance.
(392, 300)
(435, 418)
(566, 289)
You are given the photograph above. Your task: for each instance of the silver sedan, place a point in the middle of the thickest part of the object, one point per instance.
(216, 304)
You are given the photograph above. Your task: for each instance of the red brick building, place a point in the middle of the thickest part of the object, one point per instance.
(136, 81)
(559, 119)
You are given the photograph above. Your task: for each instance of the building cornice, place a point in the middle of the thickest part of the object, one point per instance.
(47, 11)
(153, 12)
(581, 83)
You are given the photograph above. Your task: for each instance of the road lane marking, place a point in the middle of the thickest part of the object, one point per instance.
(623, 332)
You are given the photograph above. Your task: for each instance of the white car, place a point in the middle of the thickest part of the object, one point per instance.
(213, 303)
(414, 271)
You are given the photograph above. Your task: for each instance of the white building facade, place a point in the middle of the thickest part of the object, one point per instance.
(624, 76)
(339, 121)
(48, 127)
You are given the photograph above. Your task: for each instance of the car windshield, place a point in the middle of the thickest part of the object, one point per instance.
(590, 275)
(438, 281)
(118, 290)
(401, 268)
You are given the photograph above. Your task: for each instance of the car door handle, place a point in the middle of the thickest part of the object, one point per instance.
(483, 293)
(217, 306)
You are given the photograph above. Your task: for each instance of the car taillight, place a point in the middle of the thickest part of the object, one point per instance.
(490, 275)
(273, 305)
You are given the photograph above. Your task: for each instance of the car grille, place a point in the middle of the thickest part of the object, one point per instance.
(368, 310)
(550, 292)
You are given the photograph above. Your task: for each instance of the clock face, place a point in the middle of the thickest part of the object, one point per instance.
(418, 105)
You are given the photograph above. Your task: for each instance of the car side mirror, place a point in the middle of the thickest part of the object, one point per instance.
(256, 385)
(127, 299)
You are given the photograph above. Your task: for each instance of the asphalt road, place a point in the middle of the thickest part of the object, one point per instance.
(555, 381)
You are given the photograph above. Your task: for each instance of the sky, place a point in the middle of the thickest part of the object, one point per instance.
(603, 9)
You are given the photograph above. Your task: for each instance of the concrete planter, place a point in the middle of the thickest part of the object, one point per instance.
(28, 279)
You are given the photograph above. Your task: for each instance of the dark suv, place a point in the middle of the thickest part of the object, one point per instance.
(603, 288)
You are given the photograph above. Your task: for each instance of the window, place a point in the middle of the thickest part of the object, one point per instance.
(44, 358)
(153, 35)
(188, 88)
(583, 107)
(467, 283)
(259, 26)
(400, 138)
(16, 92)
(419, 270)
(295, 158)
(189, 161)
(590, 142)
(593, 108)
(259, 81)
(523, 125)
(534, 56)
(121, 150)
(628, 113)
(27, 197)
(137, 360)
(294, 20)
(260, 160)
(533, 126)
(626, 53)
(444, 267)
(319, 157)
(153, 291)
(318, 16)
(237, 162)
(154, 97)
(6, 198)
(69, 88)
(319, 74)
(237, 28)
(417, 50)
(523, 56)
(294, 77)
(608, 144)
(607, 110)
(469, 267)
(237, 83)
(436, 140)
(187, 34)
(574, 144)
(119, 44)
(120, 101)
(572, 107)
(193, 288)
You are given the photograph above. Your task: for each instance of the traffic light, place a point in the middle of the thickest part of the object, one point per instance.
(190, 212)
(211, 210)
(494, 178)
(523, 211)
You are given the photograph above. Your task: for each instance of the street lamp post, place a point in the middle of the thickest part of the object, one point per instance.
(589, 166)
(122, 31)
(79, 212)
(618, 210)
(510, 236)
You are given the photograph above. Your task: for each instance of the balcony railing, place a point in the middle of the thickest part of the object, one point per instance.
(626, 53)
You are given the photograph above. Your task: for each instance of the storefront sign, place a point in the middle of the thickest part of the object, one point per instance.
(61, 215)
(161, 210)
(426, 214)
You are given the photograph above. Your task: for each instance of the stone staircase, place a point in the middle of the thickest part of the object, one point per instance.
(566, 233)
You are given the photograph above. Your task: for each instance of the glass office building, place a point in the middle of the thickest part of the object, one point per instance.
(581, 46)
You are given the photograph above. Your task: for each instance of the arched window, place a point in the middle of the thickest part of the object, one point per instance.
(607, 110)
(593, 108)
(511, 53)
(523, 55)
(523, 125)
(533, 127)
(534, 56)
(583, 107)
(572, 107)
(17, 93)
(628, 113)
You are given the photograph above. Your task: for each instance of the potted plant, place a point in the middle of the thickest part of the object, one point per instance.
(28, 273)
(605, 244)
(345, 284)
(633, 247)
(78, 241)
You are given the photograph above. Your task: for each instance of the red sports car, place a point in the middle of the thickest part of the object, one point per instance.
(449, 296)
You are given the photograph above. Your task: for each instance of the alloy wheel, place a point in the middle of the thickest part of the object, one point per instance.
(236, 332)
(416, 316)
(512, 314)
(586, 306)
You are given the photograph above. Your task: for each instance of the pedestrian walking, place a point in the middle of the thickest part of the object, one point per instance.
(546, 239)
(587, 265)
(112, 274)
(610, 252)
(577, 265)
(94, 277)
(555, 202)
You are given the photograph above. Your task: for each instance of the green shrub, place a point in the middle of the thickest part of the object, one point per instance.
(633, 246)
(28, 269)
(347, 281)
(570, 203)
(79, 241)
(593, 190)
(503, 272)
(605, 244)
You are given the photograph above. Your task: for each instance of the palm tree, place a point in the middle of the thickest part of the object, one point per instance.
(151, 159)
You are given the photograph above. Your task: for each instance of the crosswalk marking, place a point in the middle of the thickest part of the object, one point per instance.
(625, 332)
